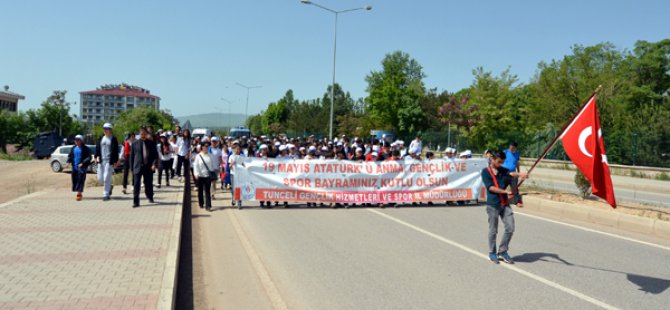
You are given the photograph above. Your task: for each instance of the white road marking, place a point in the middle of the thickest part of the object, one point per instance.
(270, 289)
(516, 211)
(510, 267)
(11, 202)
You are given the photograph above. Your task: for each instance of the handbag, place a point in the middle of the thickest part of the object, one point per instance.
(212, 174)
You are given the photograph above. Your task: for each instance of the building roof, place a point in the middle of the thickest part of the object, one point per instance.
(13, 95)
(120, 90)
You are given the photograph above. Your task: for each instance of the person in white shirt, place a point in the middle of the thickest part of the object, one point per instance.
(416, 146)
(232, 159)
(183, 152)
(202, 167)
(165, 153)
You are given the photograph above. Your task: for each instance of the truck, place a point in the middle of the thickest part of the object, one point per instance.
(238, 132)
(45, 143)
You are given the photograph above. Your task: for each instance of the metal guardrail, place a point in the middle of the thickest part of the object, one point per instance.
(625, 167)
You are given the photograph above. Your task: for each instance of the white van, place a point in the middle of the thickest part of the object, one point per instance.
(200, 132)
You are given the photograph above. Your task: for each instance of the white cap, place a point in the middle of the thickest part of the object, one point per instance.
(374, 154)
(324, 148)
(375, 148)
(282, 148)
(339, 144)
(78, 137)
(264, 147)
(107, 126)
(394, 144)
(236, 142)
(215, 138)
(302, 148)
(335, 140)
(291, 146)
(205, 139)
(277, 143)
(468, 153)
(312, 148)
(359, 150)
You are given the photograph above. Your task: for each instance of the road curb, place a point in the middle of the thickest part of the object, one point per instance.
(168, 293)
(611, 218)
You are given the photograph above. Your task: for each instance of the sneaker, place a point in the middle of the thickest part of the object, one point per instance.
(158, 186)
(494, 258)
(151, 200)
(136, 205)
(124, 191)
(505, 257)
(106, 198)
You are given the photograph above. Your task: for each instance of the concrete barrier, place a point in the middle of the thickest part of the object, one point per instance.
(611, 218)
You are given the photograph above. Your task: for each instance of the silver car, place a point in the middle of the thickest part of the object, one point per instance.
(58, 159)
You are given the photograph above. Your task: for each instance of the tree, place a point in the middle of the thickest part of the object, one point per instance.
(395, 93)
(496, 112)
(133, 119)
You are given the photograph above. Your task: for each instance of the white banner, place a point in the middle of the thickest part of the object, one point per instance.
(343, 181)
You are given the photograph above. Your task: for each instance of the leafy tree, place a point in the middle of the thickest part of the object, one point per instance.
(395, 93)
(133, 119)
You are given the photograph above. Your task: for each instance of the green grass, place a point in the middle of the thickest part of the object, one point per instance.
(663, 177)
(4, 156)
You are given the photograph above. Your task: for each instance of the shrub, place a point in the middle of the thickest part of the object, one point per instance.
(583, 185)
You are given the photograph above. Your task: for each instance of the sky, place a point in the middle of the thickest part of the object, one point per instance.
(193, 53)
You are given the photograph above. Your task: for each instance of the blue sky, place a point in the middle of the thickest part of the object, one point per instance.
(191, 53)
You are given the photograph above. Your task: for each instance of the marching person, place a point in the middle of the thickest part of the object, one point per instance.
(496, 178)
(107, 157)
(183, 153)
(144, 158)
(165, 155)
(416, 146)
(202, 167)
(130, 138)
(232, 159)
(215, 151)
(80, 159)
(512, 164)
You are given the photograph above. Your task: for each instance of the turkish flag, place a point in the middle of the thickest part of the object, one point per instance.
(583, 142)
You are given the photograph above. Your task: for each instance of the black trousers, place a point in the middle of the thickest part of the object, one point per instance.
(126, 171)
(204, 186)
(148, 176)
(78, 180)
(180, 163)
(166, 165)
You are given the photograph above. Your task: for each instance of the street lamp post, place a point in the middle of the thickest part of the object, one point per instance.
(230, 122)
(332, 88)
(246, 112)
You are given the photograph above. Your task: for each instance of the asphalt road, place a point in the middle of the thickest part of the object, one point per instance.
(631, 189)
(416, 258)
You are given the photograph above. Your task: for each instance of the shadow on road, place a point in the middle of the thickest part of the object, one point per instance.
(645, 283)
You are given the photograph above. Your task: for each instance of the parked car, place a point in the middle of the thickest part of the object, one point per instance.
(59, 158)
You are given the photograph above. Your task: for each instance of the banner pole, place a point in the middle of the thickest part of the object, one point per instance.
(553, 142)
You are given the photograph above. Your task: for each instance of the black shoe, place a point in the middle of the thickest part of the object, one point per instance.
(106, 198)
(124, 191)
(151, 200)
(158, 186)
(286, 204)
(201, 206)
(209, 209)
(136, 205)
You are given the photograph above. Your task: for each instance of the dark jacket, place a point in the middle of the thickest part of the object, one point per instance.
(85, 156)
(114, 157)
(137, 155)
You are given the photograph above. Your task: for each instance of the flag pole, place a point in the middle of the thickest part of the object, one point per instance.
(553, 142)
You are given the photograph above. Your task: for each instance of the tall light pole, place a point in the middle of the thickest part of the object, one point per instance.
(229, 104)
(332, 88)
(246, 112)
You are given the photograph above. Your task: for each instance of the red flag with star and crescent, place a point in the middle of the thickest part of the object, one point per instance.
(583, 142)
